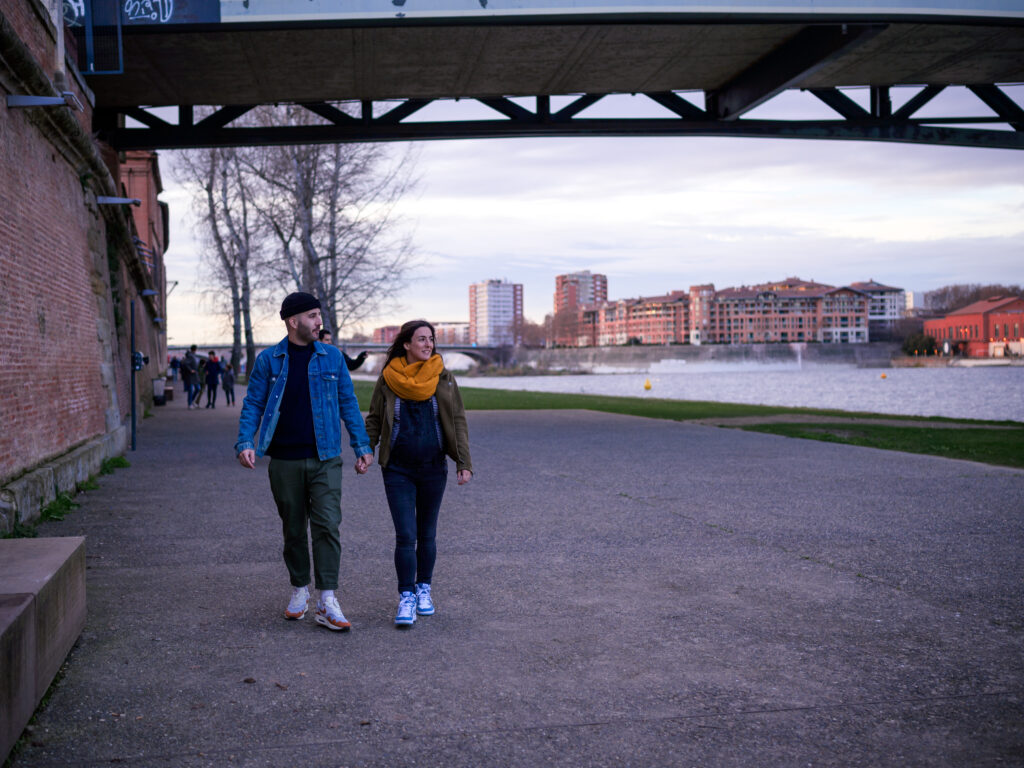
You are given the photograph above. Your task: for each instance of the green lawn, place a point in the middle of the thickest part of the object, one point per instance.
(987, 445)
(988, 442)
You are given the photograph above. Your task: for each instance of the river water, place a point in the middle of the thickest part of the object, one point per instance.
(995, 393)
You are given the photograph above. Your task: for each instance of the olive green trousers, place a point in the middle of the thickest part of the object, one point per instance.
(308, 494)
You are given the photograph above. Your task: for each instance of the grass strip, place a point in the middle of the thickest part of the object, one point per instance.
(476, 399)
(1004, 447)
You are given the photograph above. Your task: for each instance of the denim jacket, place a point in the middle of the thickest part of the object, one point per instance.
(330, 394)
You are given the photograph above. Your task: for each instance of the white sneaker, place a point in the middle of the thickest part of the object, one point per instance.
(406, 615)
(424, 603)
(297, 605)
(328, 613)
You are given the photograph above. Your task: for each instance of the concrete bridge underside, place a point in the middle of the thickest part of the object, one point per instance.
(393, 70)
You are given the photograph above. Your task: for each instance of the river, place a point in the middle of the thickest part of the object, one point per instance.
(995, 393)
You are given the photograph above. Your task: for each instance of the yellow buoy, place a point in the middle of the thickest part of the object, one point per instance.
(647, 383)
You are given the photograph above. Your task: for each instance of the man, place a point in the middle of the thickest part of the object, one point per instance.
(190, 376)
(351, 362)
(300, 391)
(214, 368)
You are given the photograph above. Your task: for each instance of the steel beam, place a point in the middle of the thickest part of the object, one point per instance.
(175, 137)
(997, 100)
(786, 67)
(880, 123)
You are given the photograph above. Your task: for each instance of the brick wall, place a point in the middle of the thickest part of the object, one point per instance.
(51, 397)
(68, 269)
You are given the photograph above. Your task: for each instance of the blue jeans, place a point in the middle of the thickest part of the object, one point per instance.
(192, 390)
(414, 497)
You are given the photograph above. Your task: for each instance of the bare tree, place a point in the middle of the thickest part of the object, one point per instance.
(953, 297)
(316, 218)
(331, 209)
(224, 204)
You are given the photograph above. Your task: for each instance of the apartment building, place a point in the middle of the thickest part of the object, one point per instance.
(579, 288)
(385, 334)
(451, 333)
(886, 307)
(644, 320)
(495, 313)
(791, 310)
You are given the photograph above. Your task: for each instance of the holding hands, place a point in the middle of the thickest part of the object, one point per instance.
(363, 463)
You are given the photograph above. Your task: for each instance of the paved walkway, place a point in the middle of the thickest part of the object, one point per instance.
(611, 591)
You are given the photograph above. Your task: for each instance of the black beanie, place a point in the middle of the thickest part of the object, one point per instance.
(294, 303)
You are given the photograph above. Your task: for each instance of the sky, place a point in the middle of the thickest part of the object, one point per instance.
(661, 214)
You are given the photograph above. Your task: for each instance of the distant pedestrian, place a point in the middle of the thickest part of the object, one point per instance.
(175, 367)
(213, 372)
(227, 380)
(299, 393)
(352, 363)
(190, 376)
(202, 380)
(416, 414)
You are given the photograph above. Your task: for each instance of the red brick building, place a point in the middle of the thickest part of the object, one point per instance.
(579, 288)
(385, 334)
(790, 310)
(985, 328)
(69, 272)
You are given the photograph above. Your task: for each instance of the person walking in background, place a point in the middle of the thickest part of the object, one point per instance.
(227, 380)
(352, 363)
(201, 379)
(213, 372)
(175, 367)
(190, 376)
(417, 416)
(299, 393)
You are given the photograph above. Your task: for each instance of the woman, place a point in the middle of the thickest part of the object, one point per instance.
(227, 380)
(417, 415)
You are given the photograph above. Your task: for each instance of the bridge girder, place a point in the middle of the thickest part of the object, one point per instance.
(389, 121)
(731, 66)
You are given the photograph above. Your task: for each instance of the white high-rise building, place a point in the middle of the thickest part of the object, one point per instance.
(495, 313)
(888, 305)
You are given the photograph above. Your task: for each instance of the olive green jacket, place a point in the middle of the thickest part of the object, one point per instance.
(454, 433)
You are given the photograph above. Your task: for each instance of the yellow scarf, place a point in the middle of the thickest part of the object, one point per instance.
(416, 381)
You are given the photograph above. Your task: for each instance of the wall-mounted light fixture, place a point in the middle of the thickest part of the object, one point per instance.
(66, 99)
(106, 200)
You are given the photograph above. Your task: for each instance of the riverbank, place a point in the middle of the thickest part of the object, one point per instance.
(999, 443)
(641, 358)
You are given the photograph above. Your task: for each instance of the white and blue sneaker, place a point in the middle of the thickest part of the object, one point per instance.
(406, 615)
(297, 605)
(424, 603)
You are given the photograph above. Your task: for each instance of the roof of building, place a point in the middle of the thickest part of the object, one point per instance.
(987, 305)
(873, 286)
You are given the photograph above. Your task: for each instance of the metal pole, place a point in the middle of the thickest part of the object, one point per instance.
(131, 368)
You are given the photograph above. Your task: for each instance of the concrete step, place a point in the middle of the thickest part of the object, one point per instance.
(42, 613)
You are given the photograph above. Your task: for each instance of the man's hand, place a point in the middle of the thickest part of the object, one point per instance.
(465, 476)
(363, 463)
(247, 458)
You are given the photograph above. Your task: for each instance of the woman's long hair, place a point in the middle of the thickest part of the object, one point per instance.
(397, 348)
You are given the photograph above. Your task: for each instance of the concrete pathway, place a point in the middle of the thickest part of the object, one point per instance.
(611, 591)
